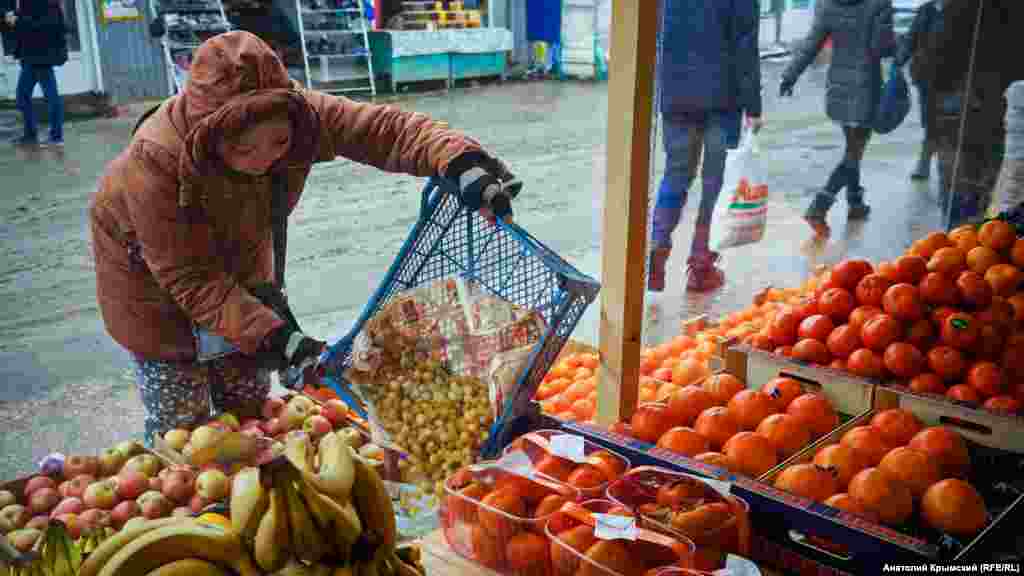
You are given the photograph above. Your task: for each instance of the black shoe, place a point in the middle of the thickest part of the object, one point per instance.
(859, 211)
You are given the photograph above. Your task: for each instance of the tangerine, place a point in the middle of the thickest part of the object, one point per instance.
(750, 407)
(998, 235)
(946, 447)
(871, 289)
(843, 341)
(812, 351)
(866, 364)
(897, 426)
(689, 371)
(809, 481)
(946, 362)
(881, 331)
(903, 302)
(954, 507)
(861, 314)
(815, 412)
(783, 390)
(868, 441)
(903, 360)
(717, 425)
(650, 421)
(723, 387)
(751, 454)
(847, 503)
(685, 441)
(911, 467)
(837, 303)
(843, 460)
(786, 432)
(890, 499)
(688, 402)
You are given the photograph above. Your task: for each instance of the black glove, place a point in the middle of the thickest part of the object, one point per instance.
(272, 297)
(286, 347)
(485, 183)
(786, 88)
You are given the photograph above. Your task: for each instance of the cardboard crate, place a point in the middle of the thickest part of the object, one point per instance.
(1000, 431)
(850, 395)
(810, 538)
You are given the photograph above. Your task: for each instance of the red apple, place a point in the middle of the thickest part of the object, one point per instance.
(38, 482)
(131, 484)
(336, 411)
(13, 517)
(156, 484)
(97, 518)
(179, 486)
(271, 408)
(147, 464)
(176, 439)
(100, 494)
(72, 524)
(316, 426)
(43, 500)
(7, 498)
(212, 485)
(77, 465)
(273, 427)
(77, 486)
(68, 506)
(154, 505)
(124, 512)
(251, 423)
(253, 432)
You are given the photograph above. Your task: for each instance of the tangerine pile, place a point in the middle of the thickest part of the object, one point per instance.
(721, 422)
(885, 470)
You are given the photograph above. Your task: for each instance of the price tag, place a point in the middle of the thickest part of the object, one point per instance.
(516, 462)
(568, 446)
(612, 527)
(738, 566)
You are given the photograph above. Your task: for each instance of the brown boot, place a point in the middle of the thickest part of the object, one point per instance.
(702, 275)
(656, 269)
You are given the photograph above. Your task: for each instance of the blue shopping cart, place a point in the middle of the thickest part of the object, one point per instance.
(451, 239)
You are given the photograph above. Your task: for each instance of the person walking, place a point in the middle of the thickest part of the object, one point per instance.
(861, 33)
(927, 21)
(188, 222)
(709, 76)
(41, 45)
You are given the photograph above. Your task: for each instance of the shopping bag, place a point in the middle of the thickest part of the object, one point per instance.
(894, 104)
(740, 219)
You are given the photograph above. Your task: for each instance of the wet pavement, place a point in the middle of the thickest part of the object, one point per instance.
(68, 388)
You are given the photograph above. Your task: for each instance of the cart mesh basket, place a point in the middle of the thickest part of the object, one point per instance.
(451, 239)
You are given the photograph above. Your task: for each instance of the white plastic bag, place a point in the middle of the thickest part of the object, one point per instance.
(742, 210)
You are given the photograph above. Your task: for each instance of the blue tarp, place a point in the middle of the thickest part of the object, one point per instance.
(544, 21)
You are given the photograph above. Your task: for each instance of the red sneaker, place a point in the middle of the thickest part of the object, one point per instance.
(701, 273)
(656, 269)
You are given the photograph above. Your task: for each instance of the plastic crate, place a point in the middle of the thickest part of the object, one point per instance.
(451, 239)
(540, 449)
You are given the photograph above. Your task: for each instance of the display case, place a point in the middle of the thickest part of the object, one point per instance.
(335, 46)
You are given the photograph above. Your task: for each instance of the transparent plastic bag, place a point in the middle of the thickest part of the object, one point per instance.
(742, 214)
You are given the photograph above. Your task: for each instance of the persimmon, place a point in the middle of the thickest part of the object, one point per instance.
(986, 378)
(847, 503)
(921, 334)
(867, 440)
(685, 441)
(549, 505)
(974, 291)
(887, 497)
(487, 549)
(843, 340)
(961, 331)
(587, 477)
(723, 387)
(911, 467)
(881, 331)
(837, 303)
(557, 468)
(688, 402)
(527, 552)
(933, 242)
(947, 363)
(813, 351)
(946, 447)
(689, 371)
(903, 302)
(1007, 404)
(938, 290)
(815, 412)
(750, 407)
(981, 258)
(862, 314)
(964, 237)
(897, 426)
(578, 539)
(1000, 314)
(717, 425)
(998, 235)
(806, 307)
(842, 460)
(783, 390)
(848, 273)
(911, 268)
(464, 508)
(506, 500)
(928, 383)
(949, 261)
(786, 432)
(713, 459)
(784, 327)
(809, 481)
(940, 314)
(889, 271)
(903, 360)
(866, 363)
(751, 454)
(611, 465)
(1017, 253)
(816, 327)
(954, 507)
(650, 421)
(1004, 279)
(963, 393)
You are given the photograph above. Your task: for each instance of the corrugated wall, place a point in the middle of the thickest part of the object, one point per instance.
(133, 65)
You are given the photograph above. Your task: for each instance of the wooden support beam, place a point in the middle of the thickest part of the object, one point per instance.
(630, 99)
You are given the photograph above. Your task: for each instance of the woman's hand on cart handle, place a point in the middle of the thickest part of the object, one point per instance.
(485, 184)
(287, 347)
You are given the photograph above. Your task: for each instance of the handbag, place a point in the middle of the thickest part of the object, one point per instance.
(894, 104)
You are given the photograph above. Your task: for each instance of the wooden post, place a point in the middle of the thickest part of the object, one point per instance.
(630, 98)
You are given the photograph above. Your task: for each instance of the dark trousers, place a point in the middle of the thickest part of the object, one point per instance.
(47, 80)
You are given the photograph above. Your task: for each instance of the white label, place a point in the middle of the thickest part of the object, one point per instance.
(738, 566)
(516, 462)
(613, 527)
(568, 446)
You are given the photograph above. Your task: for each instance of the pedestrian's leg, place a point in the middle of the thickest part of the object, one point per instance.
(239, 387)
(26, 84)
(924, 158)
(55, 105)
(704, 274)
(857, 142)
(173, 396)
(823, 200)
(668, 207)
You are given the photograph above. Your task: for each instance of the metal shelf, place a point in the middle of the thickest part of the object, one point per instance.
(337, 55)
(333, 31)
(357, 26)
(333, 11)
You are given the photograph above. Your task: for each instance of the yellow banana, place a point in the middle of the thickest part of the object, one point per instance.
(337, 474)
(296, 568)
(249, 501)
(402, 568)
(94, 562)
(307, 540)
(298, 449)
(373, 503)
(347, 526)
(189, 567)
(186, 539)
(273, 545)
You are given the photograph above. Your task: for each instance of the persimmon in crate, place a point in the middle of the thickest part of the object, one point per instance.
(572, 460)
(496, 517)
(602, 538)
(717, 522)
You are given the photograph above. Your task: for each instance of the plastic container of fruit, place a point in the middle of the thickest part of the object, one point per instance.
(680, 504)
(495, 517)
(601, 537)
(572, 460)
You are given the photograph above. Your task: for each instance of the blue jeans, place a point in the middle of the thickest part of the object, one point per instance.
(47, 80)
(684, 140)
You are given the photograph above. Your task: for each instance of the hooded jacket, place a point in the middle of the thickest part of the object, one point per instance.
(861, 32)
(40, 34)
(177, 241)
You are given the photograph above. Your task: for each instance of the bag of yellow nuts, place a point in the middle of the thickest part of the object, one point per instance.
(433, 366)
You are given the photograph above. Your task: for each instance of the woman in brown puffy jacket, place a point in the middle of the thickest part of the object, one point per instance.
(181, 223)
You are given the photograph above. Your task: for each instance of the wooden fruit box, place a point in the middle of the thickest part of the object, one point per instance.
(850, 395)
(1000, 431)
(810, 538)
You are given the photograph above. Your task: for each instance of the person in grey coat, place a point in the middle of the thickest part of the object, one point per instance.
(861, 33)
(927, 22)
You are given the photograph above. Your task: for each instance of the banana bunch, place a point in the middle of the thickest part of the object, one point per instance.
(54, 554)
(299, 518)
